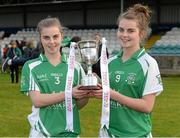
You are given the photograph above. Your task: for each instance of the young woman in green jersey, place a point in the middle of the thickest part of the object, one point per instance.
(44, 79)
(134, 78)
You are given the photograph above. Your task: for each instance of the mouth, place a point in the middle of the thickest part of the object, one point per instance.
(52, 47)
(125, 40)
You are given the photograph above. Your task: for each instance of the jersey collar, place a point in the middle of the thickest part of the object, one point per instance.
(43, 58)
(136, 55)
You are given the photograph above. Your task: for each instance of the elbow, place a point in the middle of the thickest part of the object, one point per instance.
(148, 110)
(36, 103)
(35, 99)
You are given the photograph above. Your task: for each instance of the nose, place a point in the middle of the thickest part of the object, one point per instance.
(51, 40)
(124, 33)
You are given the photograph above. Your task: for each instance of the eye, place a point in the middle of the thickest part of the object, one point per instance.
(46, 37)
(131, 30)
(120, 29)
(56, 36)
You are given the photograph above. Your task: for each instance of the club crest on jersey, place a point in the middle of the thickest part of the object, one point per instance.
(131, 78)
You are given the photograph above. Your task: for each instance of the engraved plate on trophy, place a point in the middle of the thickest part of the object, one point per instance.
(89, 56)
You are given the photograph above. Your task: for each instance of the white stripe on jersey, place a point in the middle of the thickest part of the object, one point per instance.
(150, 66)
(44, 129)
(112, 58)
(144, 63)
(32, 84)
(33, 117)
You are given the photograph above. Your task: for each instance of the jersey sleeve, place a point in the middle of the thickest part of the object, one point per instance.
(27, 80)
(153, 82)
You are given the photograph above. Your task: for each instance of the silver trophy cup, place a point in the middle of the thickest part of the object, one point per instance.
(89, 56)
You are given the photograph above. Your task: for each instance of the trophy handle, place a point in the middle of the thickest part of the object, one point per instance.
(79, 50)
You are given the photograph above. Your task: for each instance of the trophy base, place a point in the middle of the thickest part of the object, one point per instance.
(89, 88)
(89, 82)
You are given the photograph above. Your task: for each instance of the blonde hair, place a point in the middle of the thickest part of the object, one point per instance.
(141, 14)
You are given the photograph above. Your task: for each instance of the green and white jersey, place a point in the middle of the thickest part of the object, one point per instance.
(136, 77)
(40, 75)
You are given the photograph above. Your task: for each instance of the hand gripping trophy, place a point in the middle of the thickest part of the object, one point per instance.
(89, 55)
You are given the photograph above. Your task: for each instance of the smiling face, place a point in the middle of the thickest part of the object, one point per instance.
(51, 38)
(129, 33)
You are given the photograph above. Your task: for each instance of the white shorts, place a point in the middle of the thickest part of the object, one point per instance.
(104, 134)
(35, 134)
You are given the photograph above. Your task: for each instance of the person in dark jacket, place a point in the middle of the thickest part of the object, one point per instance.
(12, 53)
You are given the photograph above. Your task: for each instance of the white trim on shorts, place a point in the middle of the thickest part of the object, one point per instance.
(35, 134)
(104, 134)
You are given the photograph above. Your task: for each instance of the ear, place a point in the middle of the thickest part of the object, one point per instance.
(62, 34)
(142, 35)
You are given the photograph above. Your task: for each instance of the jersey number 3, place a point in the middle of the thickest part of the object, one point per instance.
(57, 80)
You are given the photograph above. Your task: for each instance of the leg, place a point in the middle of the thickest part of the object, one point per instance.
(12, 73)
(17, 73)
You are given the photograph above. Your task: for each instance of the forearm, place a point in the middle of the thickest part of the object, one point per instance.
(81, 102)
(41, 100)
(144, 104)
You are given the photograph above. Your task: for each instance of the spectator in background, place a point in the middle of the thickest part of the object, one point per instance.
(4, 51)
(29, 52)
(67, 40)
(13, 53)
(75, 39)
(22, 44)
(96, 67)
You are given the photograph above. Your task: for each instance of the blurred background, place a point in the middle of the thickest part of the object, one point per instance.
(84, 18)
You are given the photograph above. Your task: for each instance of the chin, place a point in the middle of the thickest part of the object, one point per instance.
(54, 52)
(126, 46)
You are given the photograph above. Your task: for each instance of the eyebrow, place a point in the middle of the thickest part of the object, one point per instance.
(50, 36)
(127, 29)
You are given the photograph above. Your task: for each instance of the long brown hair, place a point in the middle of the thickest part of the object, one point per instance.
(141, 14)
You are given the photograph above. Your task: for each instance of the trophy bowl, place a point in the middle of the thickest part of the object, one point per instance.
(89, 55)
